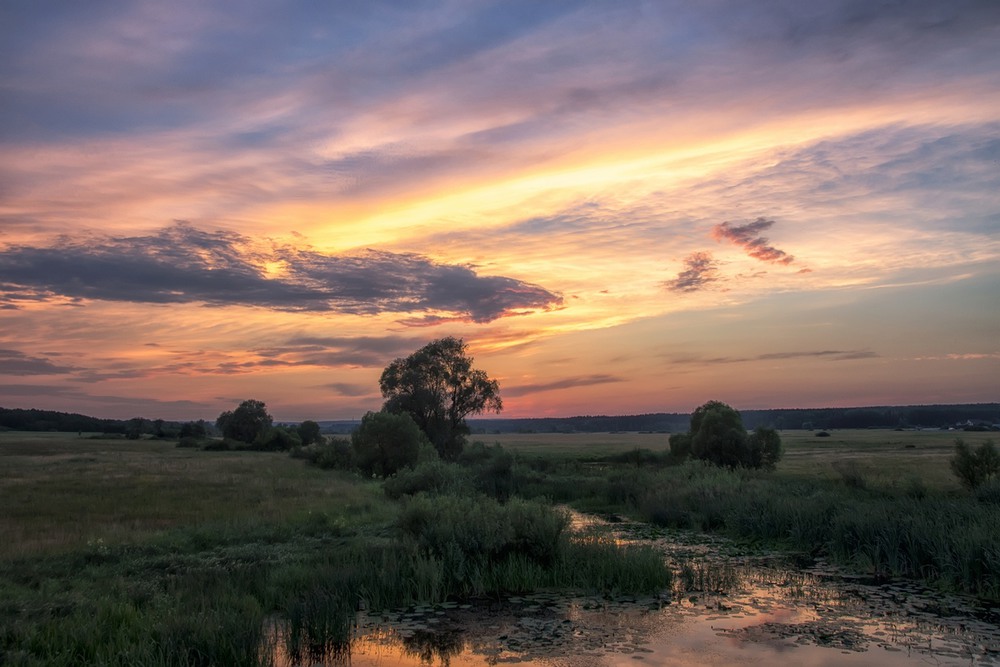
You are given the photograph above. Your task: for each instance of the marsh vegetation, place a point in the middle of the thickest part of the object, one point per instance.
(144, 553)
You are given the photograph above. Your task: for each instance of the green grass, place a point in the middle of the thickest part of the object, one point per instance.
(61, 492)
(883, 503)
(116, 552)
(142, 553)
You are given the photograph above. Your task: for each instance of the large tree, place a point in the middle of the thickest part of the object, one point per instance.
(438, 387)
(249, 420)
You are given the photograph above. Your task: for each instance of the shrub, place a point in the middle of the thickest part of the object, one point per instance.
(385, 443)
(492, 470)
(680, 445)
(974, 467)
(276, 439)
(765, 448)
(335, 453)
(989, 491)
(432, 477)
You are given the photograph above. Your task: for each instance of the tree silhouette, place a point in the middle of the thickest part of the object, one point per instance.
(438, 387)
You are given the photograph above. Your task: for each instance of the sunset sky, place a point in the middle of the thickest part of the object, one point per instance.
(621, 206)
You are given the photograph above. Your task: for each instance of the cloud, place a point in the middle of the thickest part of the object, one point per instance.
(833, 355)
(348, 389)
(701, 270)
(182, 264)
(13, 362)
(567, 383)
(364, 351)
(748, 237)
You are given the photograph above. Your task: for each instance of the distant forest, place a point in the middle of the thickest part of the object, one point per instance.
(914, 416)
(977, 415)
(16, 419)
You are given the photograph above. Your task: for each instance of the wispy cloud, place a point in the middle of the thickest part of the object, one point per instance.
(14, 362)
(749, 237)
(360, 352)
(832, 355)
(349, 390)
(701, 271)
(517, 391)
(183, 264)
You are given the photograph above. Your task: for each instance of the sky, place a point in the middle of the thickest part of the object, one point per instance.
(621, 206)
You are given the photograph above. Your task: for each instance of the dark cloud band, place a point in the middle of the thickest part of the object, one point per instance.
(182, 264)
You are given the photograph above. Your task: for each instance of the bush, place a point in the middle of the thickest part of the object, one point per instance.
(276, 439)
(385, 443)
(680, 445)
(432, 477)
(765, 448)
(336, 454)
(491, 469)
(975, 467)
(989, 491)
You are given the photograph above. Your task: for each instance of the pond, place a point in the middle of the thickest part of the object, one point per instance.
(726, 608)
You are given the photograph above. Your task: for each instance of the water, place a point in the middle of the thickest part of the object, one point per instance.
(726, 608)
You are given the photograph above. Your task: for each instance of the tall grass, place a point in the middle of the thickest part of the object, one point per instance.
(216, 556)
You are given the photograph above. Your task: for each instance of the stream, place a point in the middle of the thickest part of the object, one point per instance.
(726, 608)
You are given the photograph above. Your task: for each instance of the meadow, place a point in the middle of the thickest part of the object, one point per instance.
(143, 553)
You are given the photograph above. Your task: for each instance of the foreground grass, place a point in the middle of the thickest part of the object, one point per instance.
(139, 553)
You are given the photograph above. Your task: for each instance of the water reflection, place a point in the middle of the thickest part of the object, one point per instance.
(726, 608)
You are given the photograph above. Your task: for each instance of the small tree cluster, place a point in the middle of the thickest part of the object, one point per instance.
(246, 423)
(717, 435)
(974, 467)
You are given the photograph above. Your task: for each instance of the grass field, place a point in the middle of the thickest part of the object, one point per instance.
(140, 553)
(137, 552)
(881, 455)
(63, 492)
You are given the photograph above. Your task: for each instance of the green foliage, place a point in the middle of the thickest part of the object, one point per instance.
(335, 453)
(246, 423)
(277, 439)
(433, 478)
(385, 443)
(438, 387)
(765, 448)
(975, 467)
(196, 429)
(680, 445)
(717, 435)
(309, 432)
(492, 470)
(468, 534)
